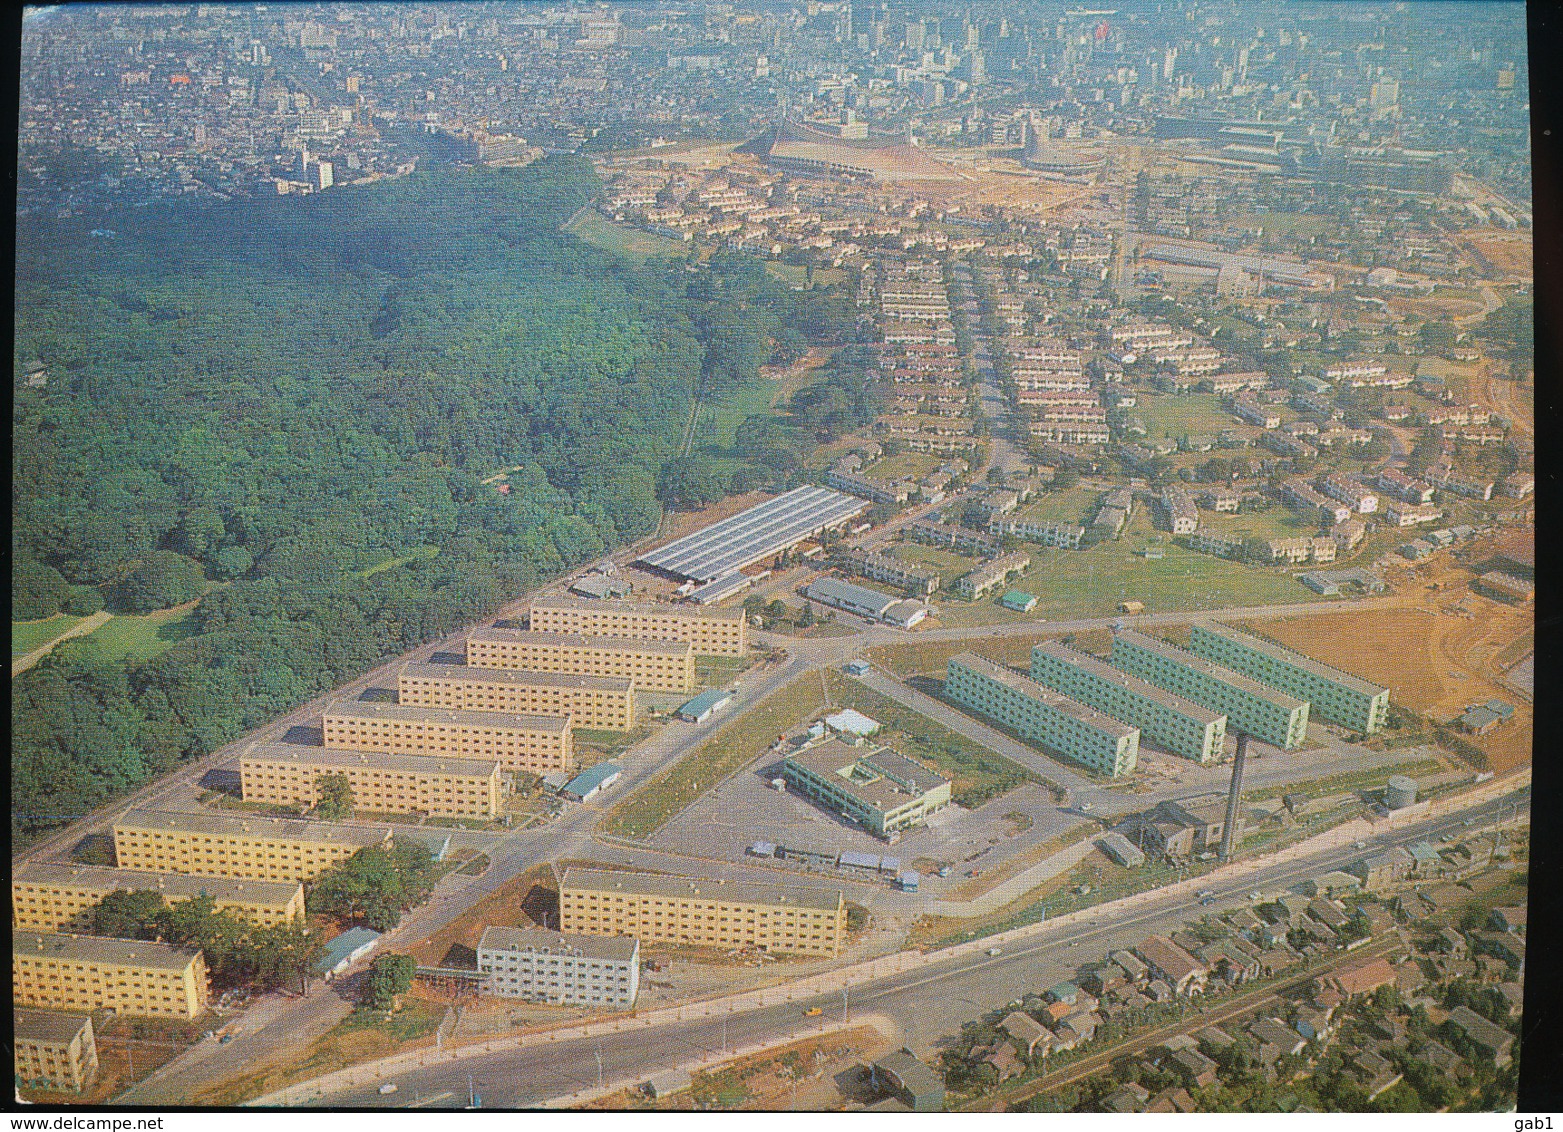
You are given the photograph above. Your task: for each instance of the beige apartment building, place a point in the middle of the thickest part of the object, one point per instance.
(703, 913)
(55, 1051)
(283, 774)
(60, 898)
(598, 702)
(711, 632)
(88, 972)
(655, 666)
(247, 848)
(534, 744)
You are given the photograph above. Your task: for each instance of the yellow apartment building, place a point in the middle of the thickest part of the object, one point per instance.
(534, 744)
(55, 1051)
(284, 774)
(654, 666)
(703, 913)
(88, 972)
(247, 848)
(711, 632)
(60, 898)
(598, 702)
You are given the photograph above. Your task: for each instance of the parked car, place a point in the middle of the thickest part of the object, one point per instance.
(387, 1089)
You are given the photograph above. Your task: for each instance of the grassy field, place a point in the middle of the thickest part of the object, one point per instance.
(976, 774)
(595, 228)
(732, 747)
(423, 552)
(949, 564)
(1285, 224)
(1277, 522)
(135, 640)
(719, 421)
(28, 635)
(1072, 505)
(904, 464)
(1191, 414)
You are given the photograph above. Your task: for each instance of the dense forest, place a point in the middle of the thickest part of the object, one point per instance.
(263, 402)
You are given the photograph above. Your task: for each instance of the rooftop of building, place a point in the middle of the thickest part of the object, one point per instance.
(869, 773)
(618, 948)
(863, 596)
(331, 757)
(727, 891)
(517, 676)
(173, 886)
(101, 949)
(582, 640)
(1209, 668)
(1101, 669)
(48, 1026)
(596, 605)
(1037, 691)
(280, 829)
(1297, 659)
(498, 720)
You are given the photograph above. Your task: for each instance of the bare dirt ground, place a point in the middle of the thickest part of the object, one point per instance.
(821, 1074)
(1510, 253)
(520, 902)
(1436, 658)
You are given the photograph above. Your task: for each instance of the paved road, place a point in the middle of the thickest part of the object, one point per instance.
(923, 1004)
(278, 1031)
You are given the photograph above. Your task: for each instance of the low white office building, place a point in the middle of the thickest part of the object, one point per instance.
(560, 968)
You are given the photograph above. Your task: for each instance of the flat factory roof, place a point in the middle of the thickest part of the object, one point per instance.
(279, 829)
(754, 534)
(334, 757)
(727, 891)
(581, 640)
(1038, 691)
(1296, 659)
(173, 886)
(101, 949)
(1100, 668)
(595, 605)
(1210, 668)
(517, 676)
(613, 947)
(860, 771)
(499, 720)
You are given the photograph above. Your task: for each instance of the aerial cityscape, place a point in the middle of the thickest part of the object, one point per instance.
(790, 556)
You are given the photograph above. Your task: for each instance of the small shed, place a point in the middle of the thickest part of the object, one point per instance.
(852, 722)
(705, 705)
(1019, 601)
(1131, 607)
(590, 781)
(345, 950)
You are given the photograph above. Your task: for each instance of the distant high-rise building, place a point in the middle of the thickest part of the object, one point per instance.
(762, 67)
(972, 37)
(1506, 77)
(322, 178)
(914, 35)
(352, 84)
(1169, 64)
(977, 68)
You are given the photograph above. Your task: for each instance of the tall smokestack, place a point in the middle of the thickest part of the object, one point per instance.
(1234, 794)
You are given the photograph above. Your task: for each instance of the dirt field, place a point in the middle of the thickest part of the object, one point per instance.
(821, 1074)
(517, 903)
(1436, 659)
(1509, 252)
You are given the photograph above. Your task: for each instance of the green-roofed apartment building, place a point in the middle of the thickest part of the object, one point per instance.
(1178, 725)
(1337, 696)
(1268, 714)
(1062, 725)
